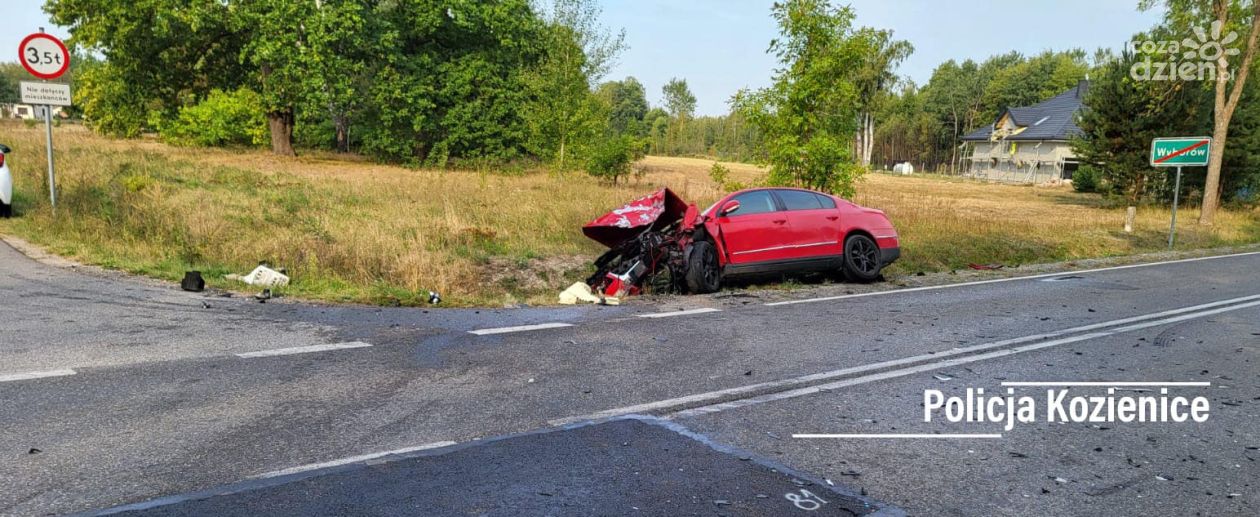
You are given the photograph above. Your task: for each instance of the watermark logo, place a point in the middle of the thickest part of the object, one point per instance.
(1191, 59)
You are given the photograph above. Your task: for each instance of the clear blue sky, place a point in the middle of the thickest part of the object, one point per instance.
(719, 45)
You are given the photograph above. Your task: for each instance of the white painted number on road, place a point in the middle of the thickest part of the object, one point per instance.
(805, 500)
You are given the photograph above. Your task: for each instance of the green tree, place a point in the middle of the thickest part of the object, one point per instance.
(874, 79)
(628, 106)
(578, 51)
(808, 116)
(1231, 72)
(157, 54)
(1121, 117)
(681, 105)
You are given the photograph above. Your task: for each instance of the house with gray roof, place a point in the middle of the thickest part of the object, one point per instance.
(1028, 144)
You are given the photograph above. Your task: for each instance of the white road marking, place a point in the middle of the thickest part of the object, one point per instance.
(942, 364)
(700, 398)
(521, 328)
(303, 349)
(351, 459)
(679, 313)
(1105, 384)
(1009, 279)
(36, 375)
(899, 435)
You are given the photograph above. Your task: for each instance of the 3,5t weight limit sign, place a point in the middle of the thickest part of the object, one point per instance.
(44, 56)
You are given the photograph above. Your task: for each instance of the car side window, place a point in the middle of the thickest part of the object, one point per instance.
(827, 201)
(755, 202)
(799, 200)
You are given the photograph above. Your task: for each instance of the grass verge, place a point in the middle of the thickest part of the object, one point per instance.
(353, 231)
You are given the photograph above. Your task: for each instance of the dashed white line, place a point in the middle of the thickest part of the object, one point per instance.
(36, 375)
(1009, 279)
(679, 313)
(304, 349)
(351, 459)
(520, 328)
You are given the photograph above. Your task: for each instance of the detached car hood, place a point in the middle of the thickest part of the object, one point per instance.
(654, 211)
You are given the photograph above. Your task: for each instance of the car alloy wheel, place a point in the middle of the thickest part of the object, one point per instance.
(861, 258)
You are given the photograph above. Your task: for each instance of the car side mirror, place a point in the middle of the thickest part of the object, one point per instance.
(729, 208)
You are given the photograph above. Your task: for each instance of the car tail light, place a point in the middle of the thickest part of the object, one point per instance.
(1, 159)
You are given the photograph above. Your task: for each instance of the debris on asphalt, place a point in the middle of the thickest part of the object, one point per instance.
(942, 378)
(985, 267)
(263, 296)
(205, 305)
(193, 282)
(34, 451)
(262, 276)
(579, 292)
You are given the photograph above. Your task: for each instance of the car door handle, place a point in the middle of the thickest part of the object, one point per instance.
(832, 217)
(779, 221)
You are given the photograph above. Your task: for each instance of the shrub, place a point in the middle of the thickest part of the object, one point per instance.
(611, 158)
(1086, 179)
(223, 118)
(719, 174)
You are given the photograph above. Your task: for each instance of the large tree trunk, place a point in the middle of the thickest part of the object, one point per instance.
(341, 124)
(1223, 109)
(280, 123)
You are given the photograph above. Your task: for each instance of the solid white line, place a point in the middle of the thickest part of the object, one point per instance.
(679, 313)
(903, 435)
(303, 349)
(35, 375)
(1121, 383)
(522, 328)
(352, 459)
(784, 383)
(938, 365)
(1009, 279)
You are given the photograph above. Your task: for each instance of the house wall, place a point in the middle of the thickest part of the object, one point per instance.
(1031, 161)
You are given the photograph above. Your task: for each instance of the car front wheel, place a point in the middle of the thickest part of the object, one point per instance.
(703, 273)
(6, 211)
(861, 259)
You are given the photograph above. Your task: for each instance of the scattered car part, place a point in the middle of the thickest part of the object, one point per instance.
(6, 183)
(193, 282)
(263, 296)
(434, 298)
(263, 276)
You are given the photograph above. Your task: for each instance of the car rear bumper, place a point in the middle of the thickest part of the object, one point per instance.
(889, 255)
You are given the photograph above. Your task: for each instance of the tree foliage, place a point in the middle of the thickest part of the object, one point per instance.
(1121, 118)
(808, 116)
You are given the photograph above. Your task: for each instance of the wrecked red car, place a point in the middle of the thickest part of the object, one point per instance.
(662, 242)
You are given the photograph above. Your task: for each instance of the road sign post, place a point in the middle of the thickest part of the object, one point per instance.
(45, 57)
(1179, 152)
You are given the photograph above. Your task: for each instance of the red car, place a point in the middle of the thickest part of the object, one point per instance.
(754, 231)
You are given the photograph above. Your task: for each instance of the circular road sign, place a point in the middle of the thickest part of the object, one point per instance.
(44, 56)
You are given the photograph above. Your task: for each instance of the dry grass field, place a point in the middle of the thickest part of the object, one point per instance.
(351, 230)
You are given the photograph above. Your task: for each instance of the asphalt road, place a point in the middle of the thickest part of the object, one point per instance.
(115, 391)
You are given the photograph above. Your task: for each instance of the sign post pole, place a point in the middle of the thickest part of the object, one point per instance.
(1179, 152)
(1172, 231)
(52, 177)
(47, 58)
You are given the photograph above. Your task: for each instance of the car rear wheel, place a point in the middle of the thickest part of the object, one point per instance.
(703, 274)
(861, 259)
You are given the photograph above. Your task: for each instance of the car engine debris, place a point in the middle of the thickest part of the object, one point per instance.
(648, 240)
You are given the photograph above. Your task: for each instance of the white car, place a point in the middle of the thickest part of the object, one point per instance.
(6, 185)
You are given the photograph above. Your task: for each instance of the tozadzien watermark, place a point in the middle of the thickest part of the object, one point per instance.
(1191, 59)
